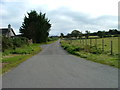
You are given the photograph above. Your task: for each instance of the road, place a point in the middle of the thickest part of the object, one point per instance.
(55, 68)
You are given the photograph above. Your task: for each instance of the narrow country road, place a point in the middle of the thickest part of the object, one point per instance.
(55, 68)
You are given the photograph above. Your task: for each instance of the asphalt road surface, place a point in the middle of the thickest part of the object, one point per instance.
(55, 68)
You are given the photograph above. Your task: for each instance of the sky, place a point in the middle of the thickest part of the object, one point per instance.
(65, 15)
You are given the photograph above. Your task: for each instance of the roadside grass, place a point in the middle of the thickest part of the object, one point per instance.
(12, 58)
(49, 42)
(107, 46)
(76, 48)
(14, 62)
(100, 58)
(27, 49)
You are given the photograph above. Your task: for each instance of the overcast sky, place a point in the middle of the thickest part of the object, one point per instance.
(64, 15)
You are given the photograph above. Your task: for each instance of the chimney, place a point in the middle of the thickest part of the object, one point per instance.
(9, 26)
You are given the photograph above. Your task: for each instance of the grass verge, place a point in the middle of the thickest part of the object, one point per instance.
(99, 58)
(14, 57)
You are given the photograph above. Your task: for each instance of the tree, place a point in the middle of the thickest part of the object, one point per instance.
(61, 35)
(35, 26)
(87, 34)
(76, 33)
(101, 34)
(68, 35)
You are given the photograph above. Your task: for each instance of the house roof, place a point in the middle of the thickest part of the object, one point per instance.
(5, 30)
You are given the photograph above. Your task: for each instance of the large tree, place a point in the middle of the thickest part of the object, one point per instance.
(87, 34)
(35, 26)
(76, 33)
(61, 35)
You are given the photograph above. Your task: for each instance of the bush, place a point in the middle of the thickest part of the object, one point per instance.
(70, 48)
(52, 38)
(20, 41)
(12, 43)
(94, 50)
(6, 43)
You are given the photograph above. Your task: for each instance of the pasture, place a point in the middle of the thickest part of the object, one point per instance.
(100, 44)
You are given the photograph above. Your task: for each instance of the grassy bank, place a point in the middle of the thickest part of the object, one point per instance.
(12, 58)
(91, 53)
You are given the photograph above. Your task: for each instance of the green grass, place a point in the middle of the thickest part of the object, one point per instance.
(28, 49)
(79, 48)
(107, 46)
(14, 62)
(14, 57)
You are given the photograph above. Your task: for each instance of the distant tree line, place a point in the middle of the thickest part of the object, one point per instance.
(100, 34)
(36, 27)
(110, 33)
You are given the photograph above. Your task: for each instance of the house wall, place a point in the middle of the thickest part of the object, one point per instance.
(11, 33)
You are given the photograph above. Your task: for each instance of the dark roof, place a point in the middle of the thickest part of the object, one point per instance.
(5, 30)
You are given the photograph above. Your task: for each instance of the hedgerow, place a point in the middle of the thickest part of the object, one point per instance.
(12, 43)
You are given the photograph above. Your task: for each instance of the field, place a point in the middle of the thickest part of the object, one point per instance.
(102, 50)
(98, 44)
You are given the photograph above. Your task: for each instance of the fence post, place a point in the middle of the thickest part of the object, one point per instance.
(103, 45)
(83, 42)
(111, 47)
(86, 41)
(96, 43)
(90, 42)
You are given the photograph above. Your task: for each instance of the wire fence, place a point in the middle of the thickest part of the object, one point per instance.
(106, 45)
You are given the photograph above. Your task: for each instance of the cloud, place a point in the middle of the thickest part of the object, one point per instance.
(64, 16)
(65, 20)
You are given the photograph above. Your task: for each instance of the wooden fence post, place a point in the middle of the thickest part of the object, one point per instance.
(96, 43)
(86, 41)
(90, 42)
(103, 45)
(83, 42)
(111, 47)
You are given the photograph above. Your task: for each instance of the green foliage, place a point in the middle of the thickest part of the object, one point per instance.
(26, 49)
(36, 27)
(52, 38)
(62, 35)
(6, 43)
(87, 34)
(12, 43)
(94, 50)
(12, 59)
(71, 49)
(20, 41)
(88, 52)
(76, 33)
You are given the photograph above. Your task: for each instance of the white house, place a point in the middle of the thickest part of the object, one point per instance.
(7, 32)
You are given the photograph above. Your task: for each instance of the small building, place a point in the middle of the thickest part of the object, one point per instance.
(7, 32)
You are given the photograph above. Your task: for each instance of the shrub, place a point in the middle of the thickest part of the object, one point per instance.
(52, 38)
(94, 50)
(20, 41)
(12, 43)
(7, 43)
